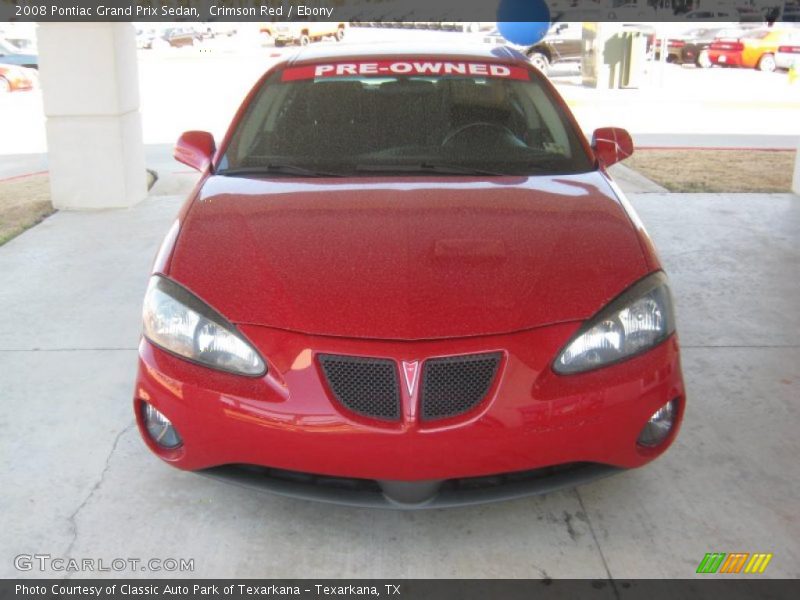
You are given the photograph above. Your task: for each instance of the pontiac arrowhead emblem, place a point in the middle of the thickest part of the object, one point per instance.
(411, 372)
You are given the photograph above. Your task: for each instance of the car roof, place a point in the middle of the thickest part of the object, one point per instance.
(323, 52)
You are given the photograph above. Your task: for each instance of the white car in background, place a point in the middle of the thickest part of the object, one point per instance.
(788, 53)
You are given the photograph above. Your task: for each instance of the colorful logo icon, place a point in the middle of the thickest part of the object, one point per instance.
(734, 563)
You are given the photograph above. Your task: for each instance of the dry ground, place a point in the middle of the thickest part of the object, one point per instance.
(689, 170)
(23, 203)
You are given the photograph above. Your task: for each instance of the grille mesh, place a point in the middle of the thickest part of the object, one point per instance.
(366, 386)
(454, 385)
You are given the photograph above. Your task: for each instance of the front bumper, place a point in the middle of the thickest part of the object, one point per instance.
(532, 419)
(411, 495)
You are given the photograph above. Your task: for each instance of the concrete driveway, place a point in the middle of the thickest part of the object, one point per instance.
(78, 482)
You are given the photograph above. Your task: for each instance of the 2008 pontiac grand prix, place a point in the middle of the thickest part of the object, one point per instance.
(406, 279)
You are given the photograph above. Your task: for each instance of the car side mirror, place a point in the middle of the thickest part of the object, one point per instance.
(195, 149)
(611, 145)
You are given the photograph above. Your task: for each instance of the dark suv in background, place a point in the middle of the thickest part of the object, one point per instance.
(562, 44)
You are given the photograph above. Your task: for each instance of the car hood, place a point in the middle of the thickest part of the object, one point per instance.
(416, 258)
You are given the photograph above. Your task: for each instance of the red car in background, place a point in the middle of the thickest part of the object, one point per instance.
(406, 279)
(752, 49)
(691, 47)
(13, 79)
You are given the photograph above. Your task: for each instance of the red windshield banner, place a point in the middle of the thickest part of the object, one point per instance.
(405, 67)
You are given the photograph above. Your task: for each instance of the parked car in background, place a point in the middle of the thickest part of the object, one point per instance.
(563, 43)
(752, 49)
(691, 47)
(14, 78)
(145, 37)
(791, 11)
(176, 37)
(788, 53)
(724, 17)
(709, 15)
(633, 11)
(303, 32)
(11, 55)
(219, 29)
(465, 26)
(750, 15)
(721, 14)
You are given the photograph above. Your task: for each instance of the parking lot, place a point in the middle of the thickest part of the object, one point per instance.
(675, 106)
(79, 481)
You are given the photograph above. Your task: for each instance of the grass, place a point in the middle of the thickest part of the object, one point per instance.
(24, 202)
(684, 170)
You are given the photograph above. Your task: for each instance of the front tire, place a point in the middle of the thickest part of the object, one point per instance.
(5, 85)
(539, 61)
(766, 63)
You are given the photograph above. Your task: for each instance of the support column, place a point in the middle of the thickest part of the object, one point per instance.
(90, 88)
(603, 55)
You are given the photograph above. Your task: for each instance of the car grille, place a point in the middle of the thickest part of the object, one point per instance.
(366, 386)
(454, 385)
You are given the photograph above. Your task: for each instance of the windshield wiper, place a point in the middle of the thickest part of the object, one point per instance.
(279, 169)
(430, 167)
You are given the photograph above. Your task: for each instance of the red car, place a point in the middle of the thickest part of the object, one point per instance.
(752, 49)
(14, 78)
(405, 278)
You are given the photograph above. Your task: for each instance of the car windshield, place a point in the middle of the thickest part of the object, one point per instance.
(398, 117)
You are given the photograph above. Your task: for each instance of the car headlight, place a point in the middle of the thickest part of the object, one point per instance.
(638, 319)
(179, 322)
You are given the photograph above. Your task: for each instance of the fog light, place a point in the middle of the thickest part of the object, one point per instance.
(160, 428)
(659, 425)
